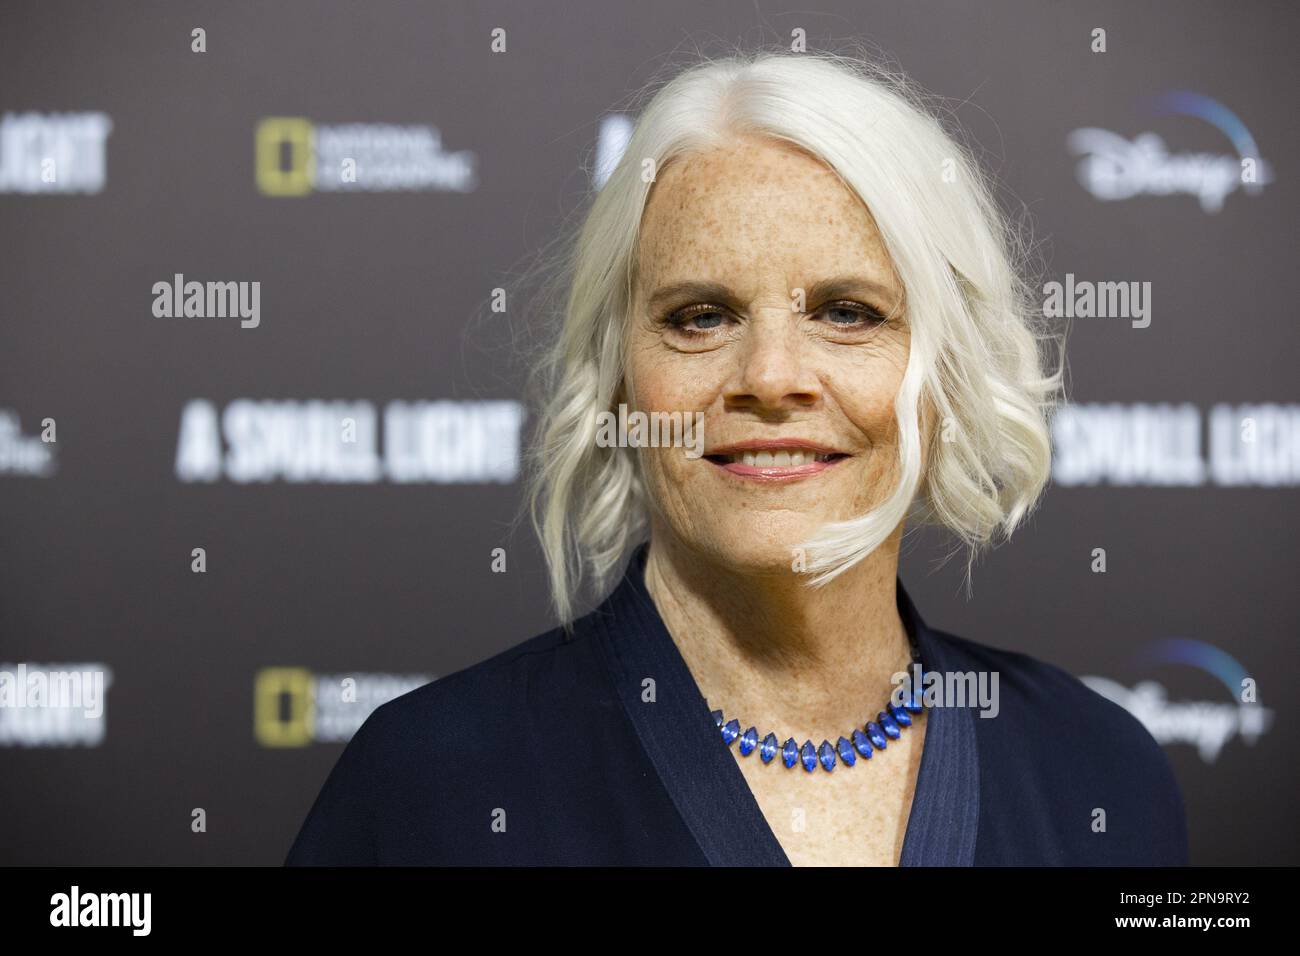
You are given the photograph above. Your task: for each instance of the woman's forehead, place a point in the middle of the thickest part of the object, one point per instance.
(748, 212)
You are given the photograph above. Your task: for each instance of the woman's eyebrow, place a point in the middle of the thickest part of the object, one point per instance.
(694, 290)
(839, 287)
(823, 289)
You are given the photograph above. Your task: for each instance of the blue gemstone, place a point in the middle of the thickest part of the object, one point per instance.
(900, 715)
(717, 717)
(888, 726)
(768, 750)
(808, 756)
(748, 741)
(826, 753)
(877, 735)
(915, 697)
(730, 731)
(863, 744)
(846, 752)
(790, 753)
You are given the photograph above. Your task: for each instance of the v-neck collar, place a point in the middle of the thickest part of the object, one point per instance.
(700, 774)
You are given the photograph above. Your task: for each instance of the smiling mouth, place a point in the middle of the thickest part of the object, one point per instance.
(777, 464)
(777, 457)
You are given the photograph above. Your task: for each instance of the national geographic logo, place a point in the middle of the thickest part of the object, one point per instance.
(292, 707)
(286, 156)
(295, 157)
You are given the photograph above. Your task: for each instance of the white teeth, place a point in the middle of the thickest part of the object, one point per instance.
(778, 459)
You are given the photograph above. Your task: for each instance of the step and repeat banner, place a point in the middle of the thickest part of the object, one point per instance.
(230, 230)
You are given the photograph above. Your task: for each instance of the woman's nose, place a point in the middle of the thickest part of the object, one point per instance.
(772, 365)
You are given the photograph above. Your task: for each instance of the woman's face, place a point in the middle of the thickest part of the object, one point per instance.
(765, 300)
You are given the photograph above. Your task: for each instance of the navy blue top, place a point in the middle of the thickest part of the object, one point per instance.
(546, 754)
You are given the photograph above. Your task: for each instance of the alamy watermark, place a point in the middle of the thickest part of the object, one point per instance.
(208, 300)
(1100, 300)
(947, 689)
(637, 429)
(36, 688)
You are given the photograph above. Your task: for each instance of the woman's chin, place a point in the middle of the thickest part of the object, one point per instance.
(762, 552)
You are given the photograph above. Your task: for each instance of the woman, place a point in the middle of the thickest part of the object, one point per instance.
(795, 259)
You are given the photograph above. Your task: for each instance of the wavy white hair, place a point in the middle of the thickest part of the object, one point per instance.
(975, 376)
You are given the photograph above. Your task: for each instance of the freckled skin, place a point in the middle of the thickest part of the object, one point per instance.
(766, 219)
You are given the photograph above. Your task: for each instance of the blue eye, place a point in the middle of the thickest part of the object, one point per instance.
(854, 314)
(705, 318)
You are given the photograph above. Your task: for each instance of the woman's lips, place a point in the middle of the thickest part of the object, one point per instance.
(776, 472)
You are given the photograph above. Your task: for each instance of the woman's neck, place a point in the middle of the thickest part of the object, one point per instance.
(774, 652)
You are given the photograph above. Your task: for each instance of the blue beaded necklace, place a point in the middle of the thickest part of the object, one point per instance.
(888, 725)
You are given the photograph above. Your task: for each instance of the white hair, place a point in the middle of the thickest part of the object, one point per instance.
(975, 374)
